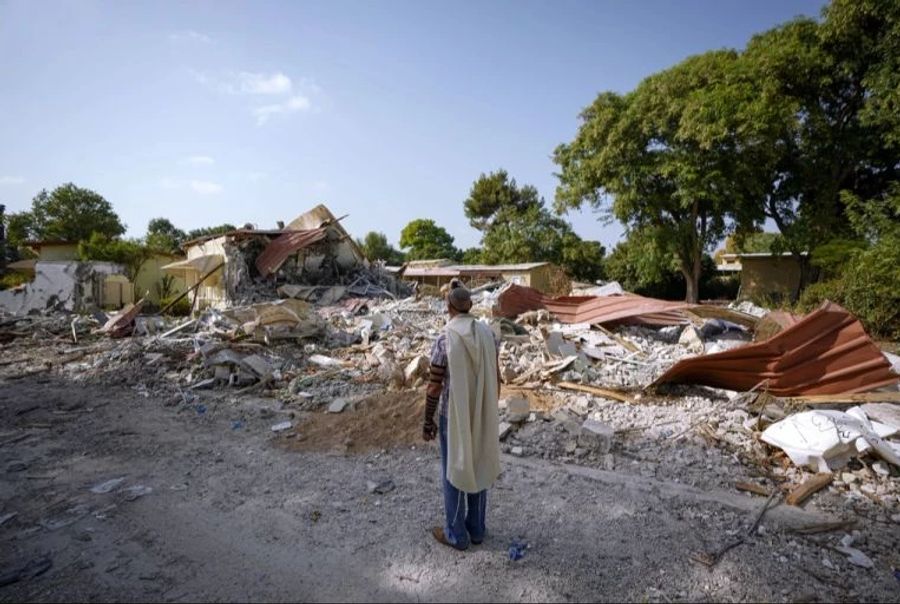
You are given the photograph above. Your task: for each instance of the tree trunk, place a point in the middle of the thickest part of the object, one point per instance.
(691, 274)
(691, 262)
(807, 275)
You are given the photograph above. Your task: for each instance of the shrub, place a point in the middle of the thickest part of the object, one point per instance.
(869, 287)
(13, 279)
(181, 309)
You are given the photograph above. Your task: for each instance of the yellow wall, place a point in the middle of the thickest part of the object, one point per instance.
(67, 251)
(117, 292)
(148, 281)
(773, 278)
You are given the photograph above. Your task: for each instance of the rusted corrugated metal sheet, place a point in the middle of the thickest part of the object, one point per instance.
(280, 249)
(517, 299)
(827, 352)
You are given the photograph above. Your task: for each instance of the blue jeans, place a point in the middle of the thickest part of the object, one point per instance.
(464, 511)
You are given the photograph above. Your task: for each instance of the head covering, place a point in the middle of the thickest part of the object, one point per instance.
(459, 297)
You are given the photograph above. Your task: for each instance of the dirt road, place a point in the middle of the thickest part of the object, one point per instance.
(214, 506)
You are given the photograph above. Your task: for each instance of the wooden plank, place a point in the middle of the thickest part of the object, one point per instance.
(707, 311)
(619, 396)
(812, 485)
(751, 487)
(629, 346)
(860, 397)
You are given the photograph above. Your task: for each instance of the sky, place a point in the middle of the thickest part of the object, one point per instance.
(253, 112)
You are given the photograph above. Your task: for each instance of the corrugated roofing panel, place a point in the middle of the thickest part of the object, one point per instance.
(827, 352)
(517, 299)
(280, 249)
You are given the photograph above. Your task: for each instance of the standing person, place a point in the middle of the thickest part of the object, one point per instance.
(465, 383)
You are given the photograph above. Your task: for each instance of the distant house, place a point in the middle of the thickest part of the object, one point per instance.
(764, 275)
(538, 275)
(54, 250)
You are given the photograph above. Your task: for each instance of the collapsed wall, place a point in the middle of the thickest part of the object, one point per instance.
(62, 286)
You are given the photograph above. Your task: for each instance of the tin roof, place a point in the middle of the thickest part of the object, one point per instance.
(280, 249)
(516, 299)
(827, 352)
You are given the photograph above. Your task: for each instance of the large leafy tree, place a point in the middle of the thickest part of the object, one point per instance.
(517, 227)
(426, 240)
(821, 120)
(666, 161)
(164, 236)
(130, 253)
(376, 247)
(68, 213)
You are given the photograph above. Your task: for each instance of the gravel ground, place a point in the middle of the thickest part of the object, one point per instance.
(214, 506)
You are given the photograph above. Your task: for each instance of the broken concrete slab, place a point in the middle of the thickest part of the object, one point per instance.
(258, 365)
(596, 436)
(338, 405)
(504, 429)
(416, 368)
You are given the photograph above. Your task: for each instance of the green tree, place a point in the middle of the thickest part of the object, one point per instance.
(70, 213)
(130, 253)
(18, 231)
(164, 236)
(665, 159)
(472, 255)
(822, 93)
(426, 240)
(376, 247)
(517, 227)
(753, 242)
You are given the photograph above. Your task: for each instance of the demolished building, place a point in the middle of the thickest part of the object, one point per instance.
(307, 260)
(66, 285)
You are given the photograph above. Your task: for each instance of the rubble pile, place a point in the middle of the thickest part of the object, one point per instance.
(659, 389)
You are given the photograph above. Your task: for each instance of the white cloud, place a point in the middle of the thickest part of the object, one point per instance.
(246, 82)
(292, 105)
(189, 35)
(205, 187)
(199, 160)
(11, 180)
(260, 83)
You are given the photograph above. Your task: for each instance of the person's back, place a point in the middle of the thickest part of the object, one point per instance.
(464, 387)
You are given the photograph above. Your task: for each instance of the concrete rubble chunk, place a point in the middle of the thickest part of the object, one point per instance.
(258, 365)
(324, 361)
(517, 409)
(338, 405)
(554, 341)
(691, 339)
(282, 426)
(416, 368)
(504, 429)
(596, 436)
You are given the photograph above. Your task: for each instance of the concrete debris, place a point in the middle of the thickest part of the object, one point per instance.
(337, 406)
(596, 435)
(854, 556)
(826, 440)
(315, 337)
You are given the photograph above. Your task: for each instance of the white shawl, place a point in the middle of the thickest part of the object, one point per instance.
(473, 444)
